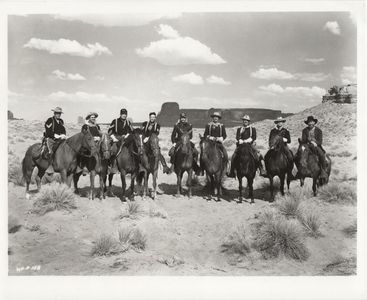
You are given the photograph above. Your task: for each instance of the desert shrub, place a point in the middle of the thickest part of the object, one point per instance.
(15, 174)
(156, 212)
(351, 230)
(13, 224)
(275, 235)
(104, 245)
(237, 242)
(54, 196)
(310, 222)
(132, 237)
(132, 210)
(288, 206)
(338, 193)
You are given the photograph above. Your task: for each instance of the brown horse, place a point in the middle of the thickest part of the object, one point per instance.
(64, 160)
(307, 163)
(245, 166)
(183, 162)
(277, 164)
(150, 159)
(212, 161)
(96, 165)
(128, 160)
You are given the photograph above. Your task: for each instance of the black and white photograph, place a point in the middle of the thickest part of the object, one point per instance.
(183, 143)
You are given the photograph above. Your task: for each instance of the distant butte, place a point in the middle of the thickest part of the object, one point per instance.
(231, 117)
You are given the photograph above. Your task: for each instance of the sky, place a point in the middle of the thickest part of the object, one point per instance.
(103, 63)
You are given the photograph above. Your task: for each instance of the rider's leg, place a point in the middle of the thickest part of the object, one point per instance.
(166, 169)
(323, 163)
(114, 150)
(50, 144)
(195, 164)
(232, 170)
(259, 161)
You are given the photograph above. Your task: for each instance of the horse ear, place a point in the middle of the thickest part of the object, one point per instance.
(200, 136)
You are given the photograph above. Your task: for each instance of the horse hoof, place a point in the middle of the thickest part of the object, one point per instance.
(252, 202)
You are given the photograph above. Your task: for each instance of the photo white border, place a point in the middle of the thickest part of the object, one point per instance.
(188, 287)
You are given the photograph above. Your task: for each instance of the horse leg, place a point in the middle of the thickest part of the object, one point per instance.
(28, 176)
(302, 181)
(110, 192)
(41, 173)
(132, 186)
(314, 186)
(101, 186)
(123, 185)
(240, 189)
(178, 174)
(218, 185)
(76, 179)
(155, 174)
(282, 177)
(289, 178)
(91, 192)
(64, 176)
(271, 189)
(145, 188)
(189, 183)
(250, 183)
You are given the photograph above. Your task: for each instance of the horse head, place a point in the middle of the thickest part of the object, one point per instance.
(277, 143)
(153, 145)
(303, 152)
(105, 146)
(185, 142)
(87, 140)
(137, 140)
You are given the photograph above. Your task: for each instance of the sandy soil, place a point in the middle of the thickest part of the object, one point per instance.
(188, 241)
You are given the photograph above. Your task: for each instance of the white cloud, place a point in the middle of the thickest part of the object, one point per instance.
(167, 31)
(271, 74)
(176, 50)
(190, 78)
(111, 20)
(83, 97)
(333, 27)
(65, 46)
(312, 77)
(217, 80)
(298, 91)
(315, 61)
(67, 76)
(348, 75)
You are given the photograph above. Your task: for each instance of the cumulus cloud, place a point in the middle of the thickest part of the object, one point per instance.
(297, 91)
(217, 80)
(315, 61)
(271, 74)
(312, 77)
(112, 20)
(67, 76)
(190, 78)
(348, 75)
(83, 97)
(333, 27)
(176, 50)
(69, 47)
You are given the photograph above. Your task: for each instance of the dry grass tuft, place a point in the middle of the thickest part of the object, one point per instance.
(54, 196)
(275, 235)
(338, 193)
(351, 230)
(132, 237)
(104, 245)
(289, 206)
(132, 210)
(237, 242)
(13, 224)
(157, 212)
(310, 222)
(15, 174)
(340, 266)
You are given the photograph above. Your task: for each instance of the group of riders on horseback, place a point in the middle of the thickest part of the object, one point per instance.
(121, 133)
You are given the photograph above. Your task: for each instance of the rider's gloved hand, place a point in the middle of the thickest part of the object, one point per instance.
(145, 140)
(249, 140)
(57, 136)
(220, 139)
(174, 145)
(115, 140)
(63, 136)
(240, 141)
(285, 140)
(314, 143)
(96, 138)
(212, 138)
(126, 135)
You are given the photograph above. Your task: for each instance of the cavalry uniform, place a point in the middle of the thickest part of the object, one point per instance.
(247, 134)
(314, 136)
(216, 131)
(285, 135)
(180, 128)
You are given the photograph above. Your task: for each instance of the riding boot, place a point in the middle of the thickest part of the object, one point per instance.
(232, 173)
(262, 169)
(323, 163)
(50, 169)
(166, 169)
(85, 170)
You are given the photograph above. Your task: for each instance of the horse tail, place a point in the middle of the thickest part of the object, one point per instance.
(27, 165)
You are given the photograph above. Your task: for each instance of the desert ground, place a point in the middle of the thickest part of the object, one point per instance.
(182, 236)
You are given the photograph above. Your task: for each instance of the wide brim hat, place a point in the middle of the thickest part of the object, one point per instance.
(311, 118)
(279, 119)
(57, 110)
(91, 114)
(246, 117)
(183, 115)
(123, 111)
(216, 114)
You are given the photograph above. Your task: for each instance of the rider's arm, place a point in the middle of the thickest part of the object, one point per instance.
(112, 129)
(288, 136)
(173, 135)
(224, 134)
(48, 129)
(206, 132)
(130, 128)
(158, 129)
(238, 134)
(99, 130)
(191, 129)
(63, 131)
(305, 138)
(254, 135)
(318, 136)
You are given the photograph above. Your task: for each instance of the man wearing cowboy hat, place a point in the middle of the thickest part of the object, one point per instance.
(181, 127)
(279, 130)
(247, 134)
(149, 127)
(95, 130)
(54, 133)
(215, 131)
(119, 130)
(313, 135)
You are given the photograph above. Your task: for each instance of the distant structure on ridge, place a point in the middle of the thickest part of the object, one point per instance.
(341, 94)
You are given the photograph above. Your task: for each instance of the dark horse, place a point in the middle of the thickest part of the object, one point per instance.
(184, 158)
(212, 161)
(149, 163)
(64, 159)
(96, 164)
(128, 159)
(245, 166)
(307, 163)
(277, 164)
